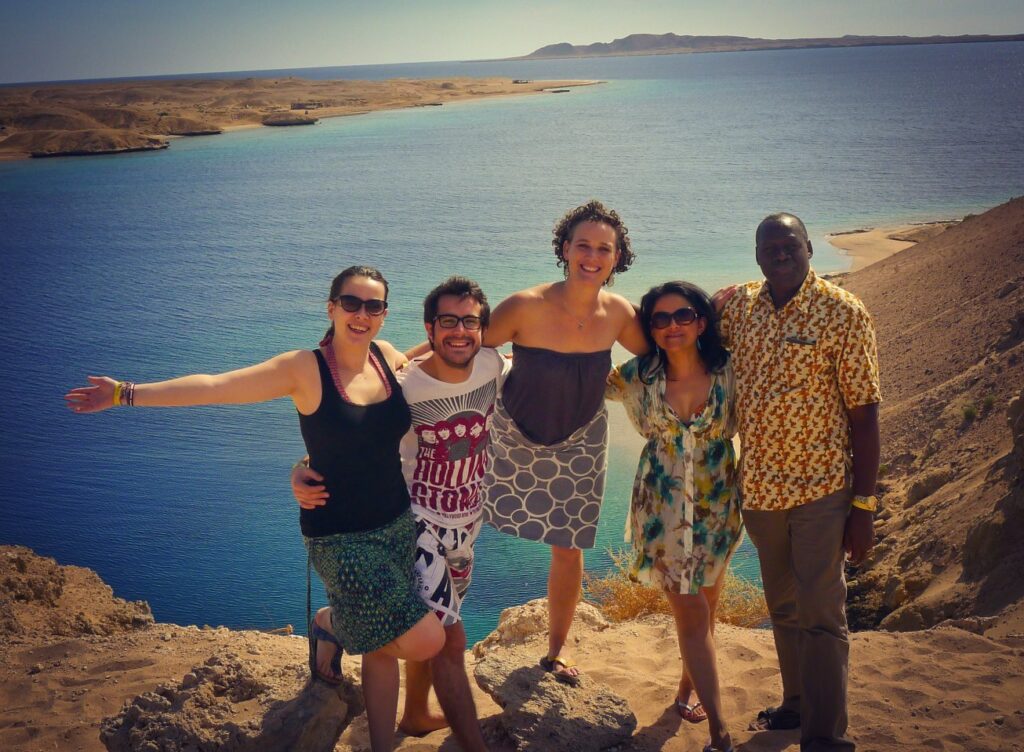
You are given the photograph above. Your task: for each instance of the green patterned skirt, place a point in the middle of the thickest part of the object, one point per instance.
(371, 583)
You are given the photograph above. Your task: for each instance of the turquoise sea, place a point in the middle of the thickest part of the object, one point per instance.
(217, 253)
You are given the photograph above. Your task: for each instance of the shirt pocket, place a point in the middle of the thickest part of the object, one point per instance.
(802, 363)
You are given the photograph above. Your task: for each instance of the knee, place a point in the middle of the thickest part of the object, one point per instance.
(692, 613)
(423, 641)
(454, 640)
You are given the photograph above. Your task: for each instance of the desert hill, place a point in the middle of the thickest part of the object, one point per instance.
(949, 313)
(668, 44)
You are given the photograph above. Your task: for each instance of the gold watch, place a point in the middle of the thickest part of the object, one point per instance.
(867, 503)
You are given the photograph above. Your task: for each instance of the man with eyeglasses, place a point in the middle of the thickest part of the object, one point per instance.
(451, 392)
(807, 394)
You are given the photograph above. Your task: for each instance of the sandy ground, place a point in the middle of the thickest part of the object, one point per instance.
(942, 689)
(865, 247)
(78, 119)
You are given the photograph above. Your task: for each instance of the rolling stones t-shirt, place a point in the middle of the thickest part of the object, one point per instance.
(445, 453)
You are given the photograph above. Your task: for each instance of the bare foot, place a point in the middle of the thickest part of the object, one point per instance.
(421, 725)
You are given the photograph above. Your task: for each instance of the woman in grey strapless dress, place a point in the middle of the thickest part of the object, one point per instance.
(549, 440)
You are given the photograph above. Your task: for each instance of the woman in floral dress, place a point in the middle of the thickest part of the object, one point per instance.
(685, 510)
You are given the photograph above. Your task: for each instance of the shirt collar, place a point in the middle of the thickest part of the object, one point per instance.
(799, 301)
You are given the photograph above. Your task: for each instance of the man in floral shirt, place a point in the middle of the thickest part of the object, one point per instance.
(807, 396)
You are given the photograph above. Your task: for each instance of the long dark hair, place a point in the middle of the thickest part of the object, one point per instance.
(709, 344)
(338, 282)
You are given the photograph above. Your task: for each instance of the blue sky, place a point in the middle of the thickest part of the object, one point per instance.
(65, 39)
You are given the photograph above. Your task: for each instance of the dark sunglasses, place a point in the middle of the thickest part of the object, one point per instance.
(450, 321)
(352, 304)
(662, 320)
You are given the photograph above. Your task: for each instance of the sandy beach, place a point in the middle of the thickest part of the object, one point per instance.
(866, 246)
(124, 116)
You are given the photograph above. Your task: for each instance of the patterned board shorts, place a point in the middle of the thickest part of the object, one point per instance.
(444, 563)
(371, 583)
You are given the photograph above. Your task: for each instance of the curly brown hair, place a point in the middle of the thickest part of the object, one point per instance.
(593, 211)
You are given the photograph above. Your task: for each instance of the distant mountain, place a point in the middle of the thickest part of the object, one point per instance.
(664, 44)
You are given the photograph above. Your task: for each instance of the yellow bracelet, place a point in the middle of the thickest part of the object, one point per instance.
(117, 393)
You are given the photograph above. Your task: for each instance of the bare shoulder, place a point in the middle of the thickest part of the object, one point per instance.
(301, 361)
(534, 294)
(617, 305)
(523, 300)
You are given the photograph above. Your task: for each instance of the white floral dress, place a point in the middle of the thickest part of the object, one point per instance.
(684, 517)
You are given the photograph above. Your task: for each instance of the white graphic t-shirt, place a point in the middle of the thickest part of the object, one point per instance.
(445, 453)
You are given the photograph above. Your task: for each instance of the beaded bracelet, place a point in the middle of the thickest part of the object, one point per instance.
(124, 394)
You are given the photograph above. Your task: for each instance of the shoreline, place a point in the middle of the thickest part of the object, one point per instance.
(87, 119)
(867, 245)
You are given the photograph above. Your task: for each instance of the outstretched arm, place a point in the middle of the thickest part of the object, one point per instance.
(277, 377)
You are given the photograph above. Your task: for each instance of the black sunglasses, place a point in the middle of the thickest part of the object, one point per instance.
(352, 304)
(662, 320)
(450, 321)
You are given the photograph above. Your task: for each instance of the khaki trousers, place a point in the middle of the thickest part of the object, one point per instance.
(801, 554)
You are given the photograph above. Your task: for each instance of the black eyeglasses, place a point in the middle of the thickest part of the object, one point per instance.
(662, 320)
(352, 304)
(450, 321)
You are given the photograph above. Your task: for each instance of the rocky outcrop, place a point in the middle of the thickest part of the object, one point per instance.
(234, 705)
(289, 118)
(183, 126)
(39, 596)
(538, 711)
(519, 624)
(541, 713)
(1015, 419)
(54, 143)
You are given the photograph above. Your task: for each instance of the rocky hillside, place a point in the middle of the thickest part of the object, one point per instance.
(83, 670)
(950, 320)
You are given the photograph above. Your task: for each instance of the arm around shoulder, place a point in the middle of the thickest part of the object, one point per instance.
(631, 334)
(396, 360)
(505, 320)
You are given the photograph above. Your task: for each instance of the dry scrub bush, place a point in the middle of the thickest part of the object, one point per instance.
(619, 598)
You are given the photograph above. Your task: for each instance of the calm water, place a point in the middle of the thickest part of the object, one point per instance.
(217, 253)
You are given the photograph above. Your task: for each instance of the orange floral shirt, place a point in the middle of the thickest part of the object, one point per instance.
(798, 370)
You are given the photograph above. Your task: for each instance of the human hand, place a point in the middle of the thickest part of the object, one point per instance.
(723, 296)
(92, 399)
(309, 495)
(859, 534)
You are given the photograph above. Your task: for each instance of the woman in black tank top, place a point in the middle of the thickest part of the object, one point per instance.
(361, 541)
